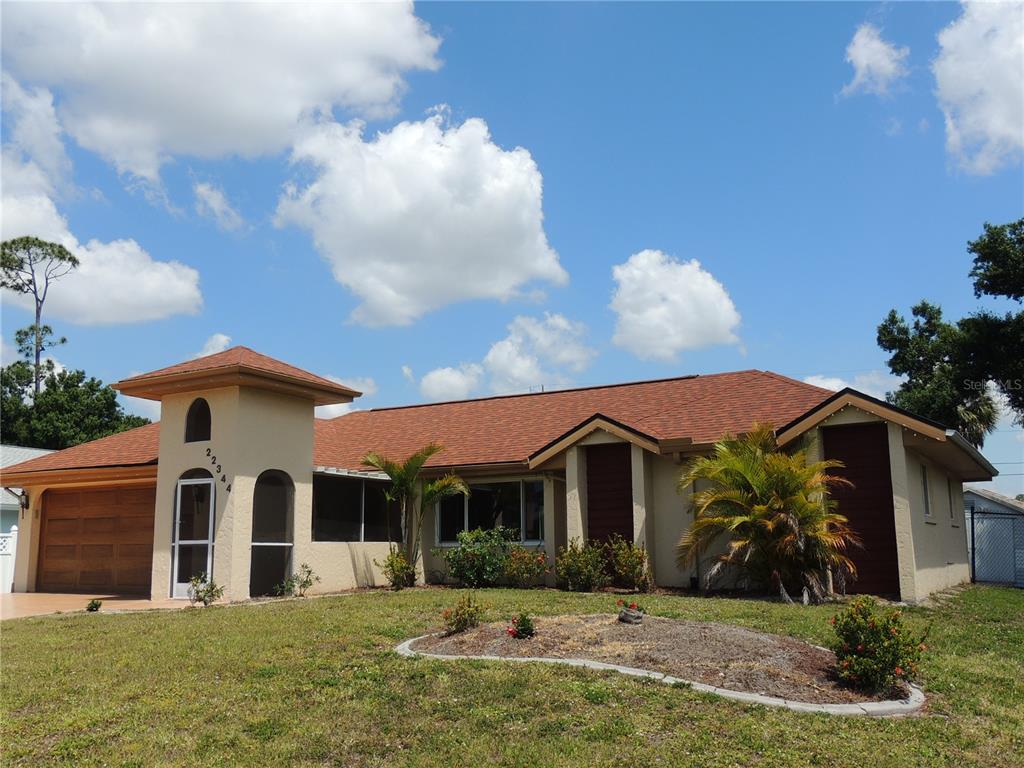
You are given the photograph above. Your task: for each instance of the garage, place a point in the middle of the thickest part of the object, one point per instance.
(97, 540)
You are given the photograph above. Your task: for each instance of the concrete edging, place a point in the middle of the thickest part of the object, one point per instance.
(869, 709)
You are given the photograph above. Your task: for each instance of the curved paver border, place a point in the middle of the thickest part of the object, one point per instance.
(871, 708)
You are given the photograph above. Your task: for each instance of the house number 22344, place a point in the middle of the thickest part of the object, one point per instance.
(219, 468)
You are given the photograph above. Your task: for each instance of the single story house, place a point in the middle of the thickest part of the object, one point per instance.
(239, 479)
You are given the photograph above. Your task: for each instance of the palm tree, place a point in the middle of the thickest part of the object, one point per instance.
(775, 509)
(405, 476)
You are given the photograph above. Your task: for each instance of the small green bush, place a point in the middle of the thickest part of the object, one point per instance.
(873, 647)
(297, 583)
(93, 605)
(203, 589)
(397, 570)
(521, 627)
(581, 567)
(464, 615)
(524, 567)
(629, 564)
(481, 557)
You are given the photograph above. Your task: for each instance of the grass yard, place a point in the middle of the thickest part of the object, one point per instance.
(315, 682)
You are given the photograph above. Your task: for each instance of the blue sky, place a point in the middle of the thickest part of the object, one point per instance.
(728, 134)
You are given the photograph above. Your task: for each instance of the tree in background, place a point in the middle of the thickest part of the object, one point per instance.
(30, 266)
(953, 370)
(69, 409)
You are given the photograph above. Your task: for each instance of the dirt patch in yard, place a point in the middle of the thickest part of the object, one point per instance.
(721, 655)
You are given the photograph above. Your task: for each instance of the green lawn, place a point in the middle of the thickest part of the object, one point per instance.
(315, 682)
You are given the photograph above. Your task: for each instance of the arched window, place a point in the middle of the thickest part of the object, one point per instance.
(197, 422)
(272, 524)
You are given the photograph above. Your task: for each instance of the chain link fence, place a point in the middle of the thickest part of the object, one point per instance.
(996, 546)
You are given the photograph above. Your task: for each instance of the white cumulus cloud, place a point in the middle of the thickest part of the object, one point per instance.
(32, 139)
(142, 82)
(364, 384)
(421, 216)
(212, 203)
(877, 64)
(665, 306)
(217, 342)
(979, 78)
(451, 383)
(874, 383)
(538, 352)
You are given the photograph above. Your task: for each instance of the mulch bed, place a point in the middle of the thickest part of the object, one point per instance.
(715, 654)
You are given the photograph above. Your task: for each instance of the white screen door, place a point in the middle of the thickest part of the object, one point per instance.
(193, 533)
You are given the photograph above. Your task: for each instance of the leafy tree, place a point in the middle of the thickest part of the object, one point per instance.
(68, 410)
(999, 261)
(931, 353)
(405, 479)
(774, 509)
(953, 369)
(29, 265)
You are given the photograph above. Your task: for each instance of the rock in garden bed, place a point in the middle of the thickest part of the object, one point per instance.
(721, 655)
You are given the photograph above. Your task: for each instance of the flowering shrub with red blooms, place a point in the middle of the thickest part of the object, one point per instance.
(629, 564)
(633, 606)
(464, 615)
(525, 567)
(521, 627)
(873, 648)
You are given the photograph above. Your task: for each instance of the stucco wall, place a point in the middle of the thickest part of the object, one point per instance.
(939, 539)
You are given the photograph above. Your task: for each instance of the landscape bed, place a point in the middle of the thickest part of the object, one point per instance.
(317, 682)
(721, 655)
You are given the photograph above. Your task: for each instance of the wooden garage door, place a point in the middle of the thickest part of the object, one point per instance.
(97, 540)
(609, 492)
(864, 450)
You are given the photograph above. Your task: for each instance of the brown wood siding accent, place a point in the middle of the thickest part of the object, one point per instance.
(97, 540)
(864, 450)
(609, 491)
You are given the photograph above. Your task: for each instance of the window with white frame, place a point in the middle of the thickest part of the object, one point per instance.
(515, 504)
(353, 509)
(924, 490)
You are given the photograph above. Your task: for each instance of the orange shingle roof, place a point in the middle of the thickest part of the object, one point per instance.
(512, 428)
(509, 428)
(233, 357)
(136, 446)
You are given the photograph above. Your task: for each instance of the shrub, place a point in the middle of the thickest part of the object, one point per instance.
(397, 570)
(203, 589)
(481, 556)
(629, 564)
(93, 605)
(581, 567)
(525, 567)
(873, 648)
(297, 583)
(465, 614)
(521, 627)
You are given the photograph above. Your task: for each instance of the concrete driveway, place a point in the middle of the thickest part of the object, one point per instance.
(18, 605)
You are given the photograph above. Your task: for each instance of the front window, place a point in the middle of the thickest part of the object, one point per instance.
(353, 509)
(516, 504)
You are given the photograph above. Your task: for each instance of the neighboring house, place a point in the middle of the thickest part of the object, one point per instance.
(995, 536)
(10, 510)
(239, 479)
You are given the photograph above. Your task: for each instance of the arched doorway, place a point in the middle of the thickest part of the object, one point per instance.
(272, 524)
(194, 526)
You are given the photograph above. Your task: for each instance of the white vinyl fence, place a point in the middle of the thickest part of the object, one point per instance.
(8, 547)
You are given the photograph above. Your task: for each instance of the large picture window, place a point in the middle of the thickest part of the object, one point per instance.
(353, 509)
(516, 504)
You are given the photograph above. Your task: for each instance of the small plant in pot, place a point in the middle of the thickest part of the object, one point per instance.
(630, 613)
(93, 605)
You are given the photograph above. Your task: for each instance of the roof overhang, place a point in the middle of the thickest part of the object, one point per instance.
(157, 387)
(80, 476)
(594, 423)
(945, 446)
